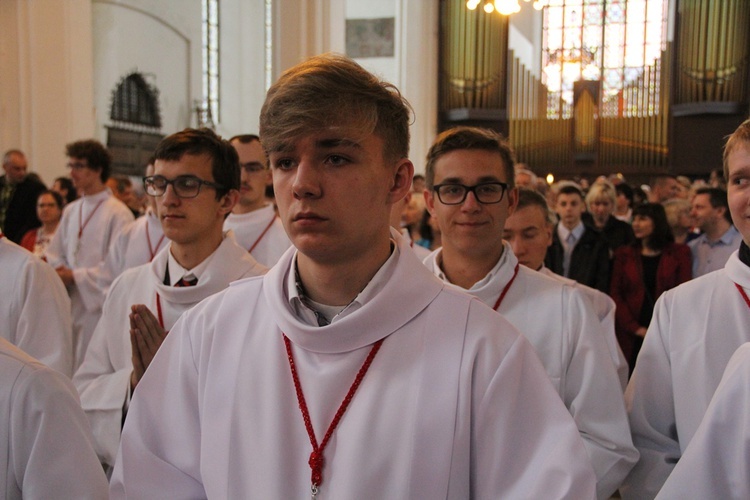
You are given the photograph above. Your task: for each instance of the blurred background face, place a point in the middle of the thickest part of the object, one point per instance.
(47, 209)
(642, 226)
(15, 168)
(601, 209)
(529, 235)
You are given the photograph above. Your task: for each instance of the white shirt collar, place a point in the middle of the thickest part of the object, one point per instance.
(577, 231)
(177, 272)
(303, 311)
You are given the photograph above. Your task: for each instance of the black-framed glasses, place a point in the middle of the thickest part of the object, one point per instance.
(485, 192)
(185, 186)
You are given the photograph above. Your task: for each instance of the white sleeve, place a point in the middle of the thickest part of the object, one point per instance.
(716, 463)
(103, 379)
(52, 453)
(161, 439)
(592, 392)
(44, 328)
(650, 402)
(88, 279)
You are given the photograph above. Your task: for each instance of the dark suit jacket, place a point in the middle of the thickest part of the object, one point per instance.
(629, 291)
(616, 232)
(21, 213)
(589, 262)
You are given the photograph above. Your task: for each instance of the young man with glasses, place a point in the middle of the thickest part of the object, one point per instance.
(253, 219)
(195, 183)
(425, 392)
(87, 228)
(470, 191)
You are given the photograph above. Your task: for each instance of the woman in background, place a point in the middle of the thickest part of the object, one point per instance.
(49, 207)
(642, 272)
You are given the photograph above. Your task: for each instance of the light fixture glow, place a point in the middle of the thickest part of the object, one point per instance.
(488, 8)
(550, 179)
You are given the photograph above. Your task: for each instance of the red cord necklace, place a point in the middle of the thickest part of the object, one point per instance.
(505, 290)
(81, 223)
(316, 457)
(262, 234)
(744, 295)
(152, 250)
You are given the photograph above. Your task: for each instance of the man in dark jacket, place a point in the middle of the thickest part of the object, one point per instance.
(18, 194)
(577, 252)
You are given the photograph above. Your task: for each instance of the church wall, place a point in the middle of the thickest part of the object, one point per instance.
(161, 43)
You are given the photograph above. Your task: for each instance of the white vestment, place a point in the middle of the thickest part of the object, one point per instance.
(455, 405)
(716, 464)
(695, 329)
(46, 449)
(84, 253)
(249, 232)
(137, 244)
(35, 308)
(103, 380)
(605, 309)
(564, 329)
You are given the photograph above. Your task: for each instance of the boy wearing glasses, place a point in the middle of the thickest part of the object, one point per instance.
(470, 191)
(253, 219)
(195, 183)
(87, 228)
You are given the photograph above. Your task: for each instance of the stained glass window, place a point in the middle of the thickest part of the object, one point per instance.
(613, 41)
(210, 14)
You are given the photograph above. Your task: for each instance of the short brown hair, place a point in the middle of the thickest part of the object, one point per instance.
(326, 90)
(740, 137)
(470, 138)
(225, 164)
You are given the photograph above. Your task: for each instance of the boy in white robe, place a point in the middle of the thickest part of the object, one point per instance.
(35, 308)
(470, 175)
(46, 449)
(253, 220)
(695, 329)
(146, 298)
(87, 228)
(528, 230)
(716, 464)
(442, 398)
(137, 244)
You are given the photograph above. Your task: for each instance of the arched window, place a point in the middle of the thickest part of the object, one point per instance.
(135, 102)
(614, 41)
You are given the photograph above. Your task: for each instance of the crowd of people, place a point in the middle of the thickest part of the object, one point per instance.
(366, 332)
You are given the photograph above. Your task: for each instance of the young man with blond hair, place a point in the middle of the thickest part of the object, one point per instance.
(694, 331)
(349, 370)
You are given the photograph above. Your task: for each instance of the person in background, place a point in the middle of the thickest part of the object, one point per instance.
(680, 222)
(643, 271)
(417, 183)
(601, 201)
(664, 187)
(624, 202)
(18, 195)
(49, 207)
(122, 187)
(528, 230)
(577, 252)
(253, 220)
(429, 230)
(64, 186)
(719, 238)
(87, 228)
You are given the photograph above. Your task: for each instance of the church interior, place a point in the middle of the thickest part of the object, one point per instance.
(579, 87)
